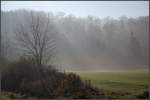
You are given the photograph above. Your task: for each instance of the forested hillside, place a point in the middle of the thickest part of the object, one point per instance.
(87, 42)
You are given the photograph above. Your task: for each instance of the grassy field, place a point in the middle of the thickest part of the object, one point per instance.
(119, 84)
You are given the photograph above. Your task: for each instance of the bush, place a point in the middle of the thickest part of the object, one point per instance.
(72, 87)
(46, 82)
(16, 73)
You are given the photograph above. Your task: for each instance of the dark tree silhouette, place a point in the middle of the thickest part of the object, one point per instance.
(135, 48)
(37, 40)
(0, 61)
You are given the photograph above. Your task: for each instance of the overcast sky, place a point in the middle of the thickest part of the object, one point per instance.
(84, 8)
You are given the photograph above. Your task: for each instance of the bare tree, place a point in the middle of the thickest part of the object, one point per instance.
(36, 38)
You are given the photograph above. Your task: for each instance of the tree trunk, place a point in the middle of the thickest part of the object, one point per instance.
(0, 81)
(0, 45)
(0, 58)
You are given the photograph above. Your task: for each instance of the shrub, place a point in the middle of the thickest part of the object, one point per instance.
(34, 88)
(16, 73)
(45, 82)
(72, 87)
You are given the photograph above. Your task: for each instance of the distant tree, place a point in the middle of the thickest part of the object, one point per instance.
(135, 48)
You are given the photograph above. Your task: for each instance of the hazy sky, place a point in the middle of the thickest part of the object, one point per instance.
(84, 8)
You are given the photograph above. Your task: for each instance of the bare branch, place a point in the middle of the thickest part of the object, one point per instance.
(36, 40)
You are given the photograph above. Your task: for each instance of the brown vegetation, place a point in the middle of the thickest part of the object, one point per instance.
(22, 77)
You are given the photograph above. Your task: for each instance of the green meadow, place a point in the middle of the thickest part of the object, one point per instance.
(123, 84)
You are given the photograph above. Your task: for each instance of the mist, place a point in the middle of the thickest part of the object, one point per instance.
(85, 43)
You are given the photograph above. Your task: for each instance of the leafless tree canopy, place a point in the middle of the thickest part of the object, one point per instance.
(36, 38)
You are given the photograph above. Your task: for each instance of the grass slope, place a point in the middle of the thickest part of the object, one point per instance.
(127, 84)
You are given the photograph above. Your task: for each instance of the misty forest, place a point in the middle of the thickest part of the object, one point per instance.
(47, 55)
